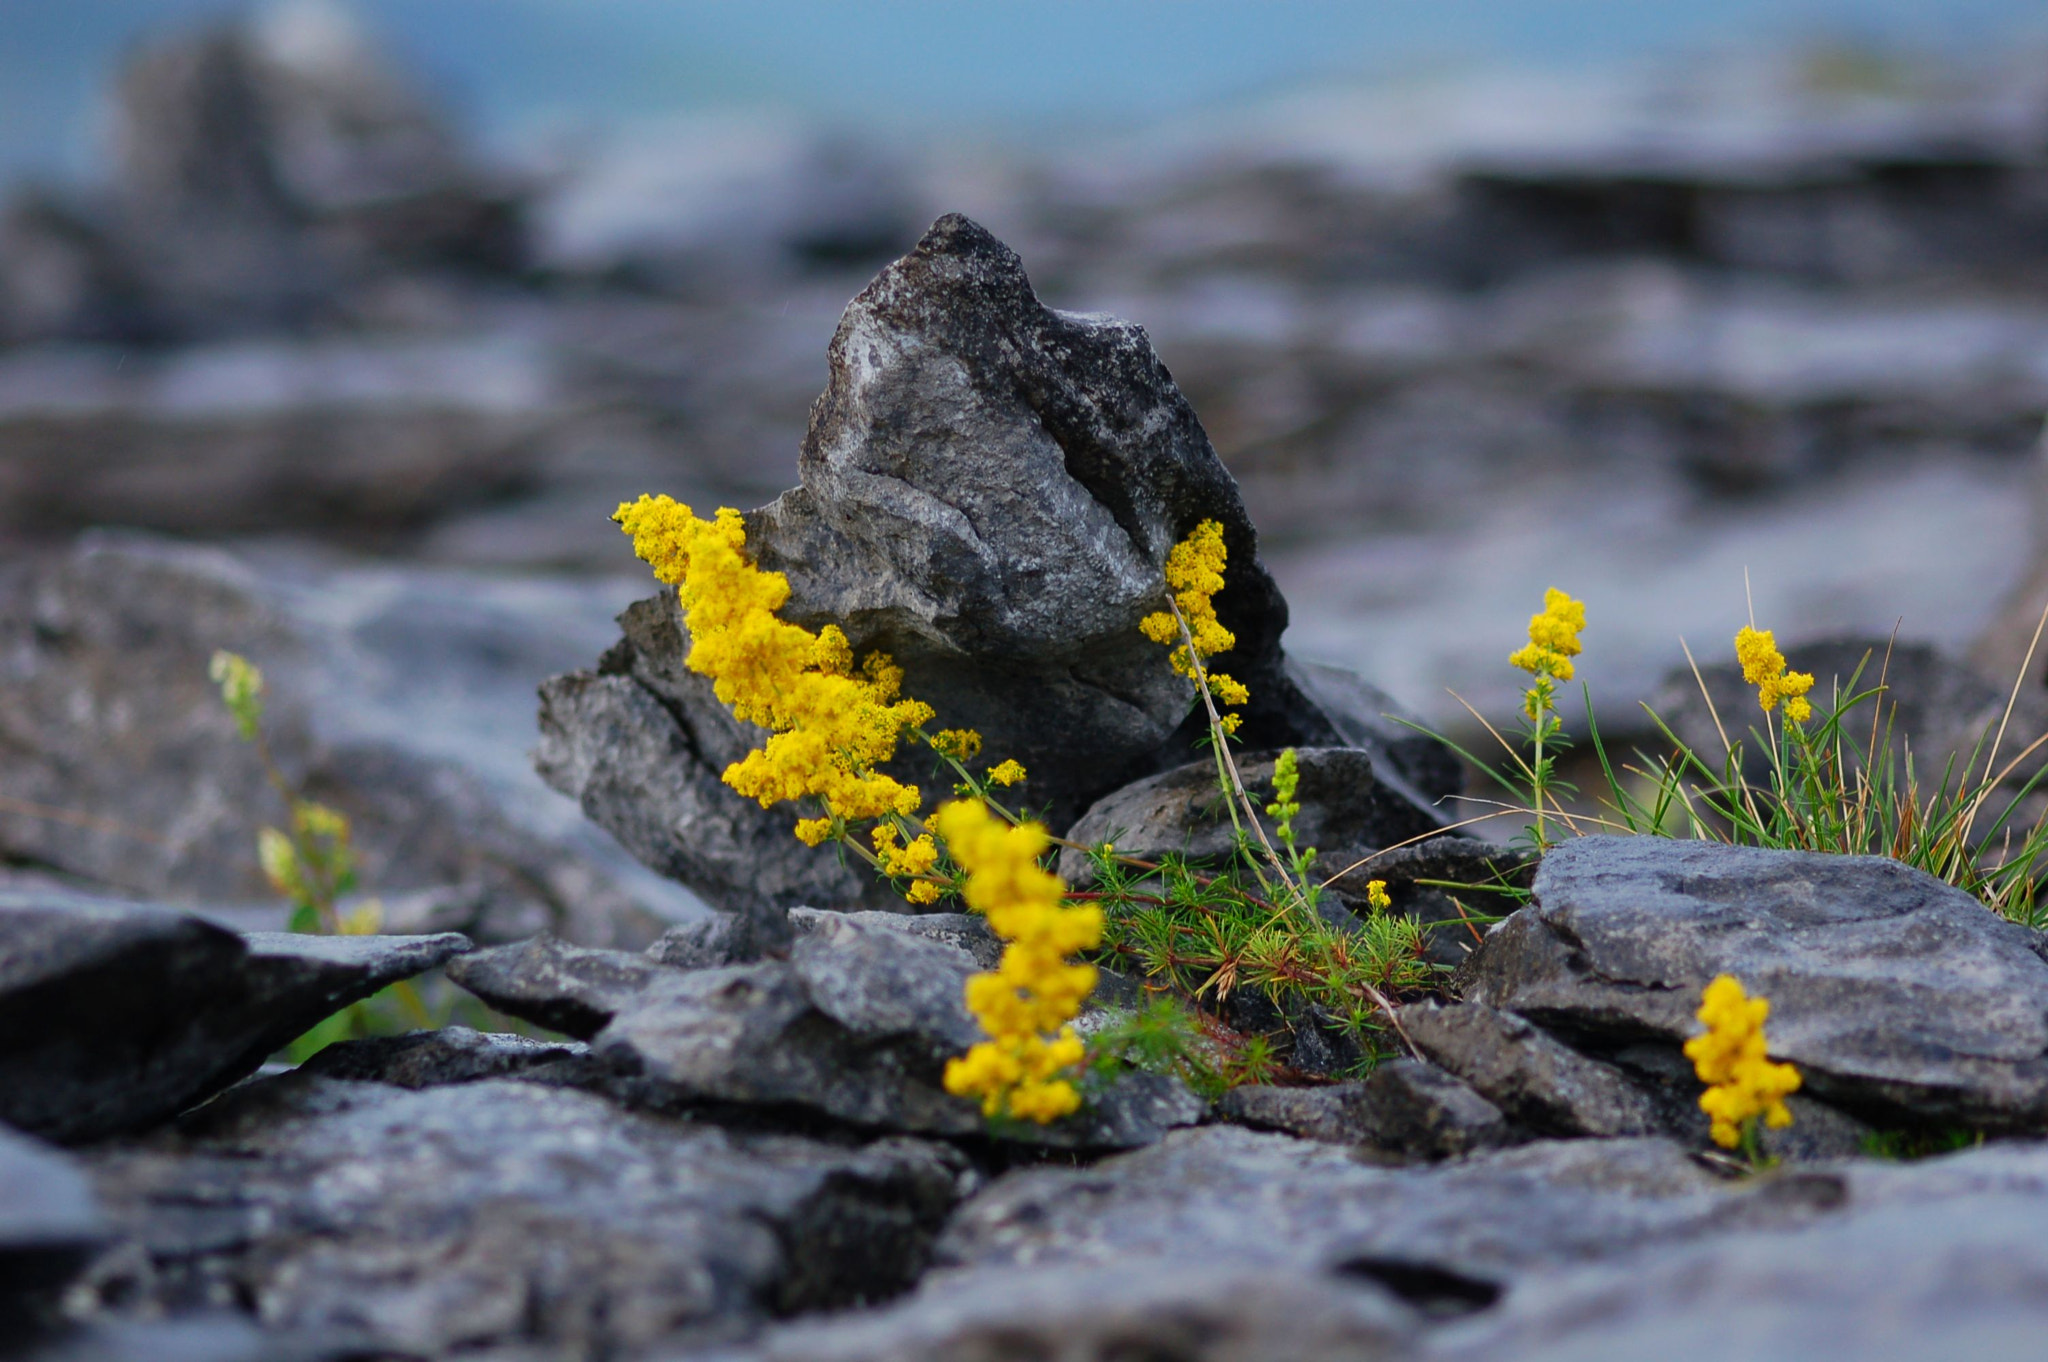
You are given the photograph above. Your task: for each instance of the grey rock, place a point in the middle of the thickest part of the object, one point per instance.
(1349, 807)
(398, 696)
(968, 932)
(1207, 1313)
(572, 989)
(989, 490)
(1532, 1076)
(432, 1059)
(507, 1214)
(1420, 1111)
(1332, 1114)
(49, 1222)
(1220, 1194)
(117, 1017)
(1404, 1107)
(292, 149)
(705, 944)
(610, 744)
(1901, 1269)
(857, 1024)
(1900, 998)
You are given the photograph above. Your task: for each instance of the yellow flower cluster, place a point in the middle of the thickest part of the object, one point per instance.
(1553, 637)
(1194, 572)
(1376, 896)
(961, 744)
(1006, 772)
(915, 859)
(830, 725)
(1763, 666)
(1025, 1005)
(1741, 1083)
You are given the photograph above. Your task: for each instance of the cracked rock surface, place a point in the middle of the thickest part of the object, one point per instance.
(1900, 998)
(857, 1024)
(500, 1212)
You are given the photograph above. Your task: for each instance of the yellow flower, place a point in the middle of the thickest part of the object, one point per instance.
(900, 861)
(829, 724)
(1194, 573)
(241, 689)
(1763, 666)
(1009, 772)
(961, 744)
(813, 831)
(366, 920)
(1553, 637)
(1025, 1005)
(1741, 1083)
(1376, 896)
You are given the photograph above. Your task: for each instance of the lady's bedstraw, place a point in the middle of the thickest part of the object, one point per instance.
(830, 725)
(1026, 1004)
(1741, 1083)
(1553, 643)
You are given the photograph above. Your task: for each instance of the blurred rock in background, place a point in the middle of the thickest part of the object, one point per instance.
(1662, 335)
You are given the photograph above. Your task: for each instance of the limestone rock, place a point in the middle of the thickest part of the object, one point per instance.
(1534, 1077)
(1101, 1311)
(114, 1017)
(857, 1024)
(1220, 1194)
(989, 491)
(1900, 998)
(1404, 1108)
(434, 1059)
(1420, 1111)
(1896, 1270)
(502, 1214)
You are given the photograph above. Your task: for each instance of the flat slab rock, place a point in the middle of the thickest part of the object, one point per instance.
(1899, 997)
(857, 1025)
(1227, 1247)
(115, 1017)
(1220, 1194)
(498, 1212)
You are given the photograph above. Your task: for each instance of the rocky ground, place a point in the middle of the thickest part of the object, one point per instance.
(725, 1135)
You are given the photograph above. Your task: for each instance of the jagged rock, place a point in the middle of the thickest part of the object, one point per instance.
(114, 1016)
(857, 1023)
(1532, 1076)
(49, 1222)
(506, 1214)
(1330, 1114)
(1211, 1313)
(400, 698)
(1219, 1194)
(1900, 998)
(989, 492)
(1405, 1108)
(1420, 1111)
